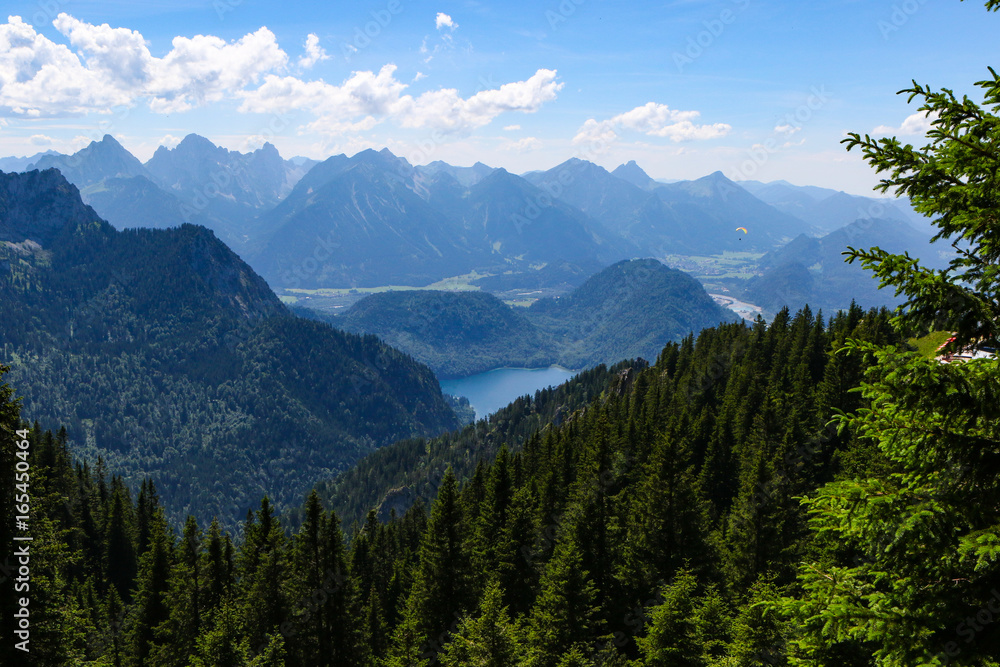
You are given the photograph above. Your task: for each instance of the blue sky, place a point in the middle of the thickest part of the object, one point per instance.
(755, 89)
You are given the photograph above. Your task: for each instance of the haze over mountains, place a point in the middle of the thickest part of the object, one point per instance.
(375, 220)
(812, 270)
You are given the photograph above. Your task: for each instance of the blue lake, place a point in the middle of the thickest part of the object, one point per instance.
(492, 390)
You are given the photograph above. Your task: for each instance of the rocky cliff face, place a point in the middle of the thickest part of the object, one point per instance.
(197, 167)
(38, 206)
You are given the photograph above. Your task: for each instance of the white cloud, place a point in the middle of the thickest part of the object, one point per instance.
(511, 128)
(380, 96)
(444, 21)
(652, 119)
(111, 67)
(914, 124)
(80, 141)
(41, 140)
(332, 126)
(314, 52)
(522, 145)
(169, 140)
(419, 76)
(786, 129)
(364, 93)
(38, 76)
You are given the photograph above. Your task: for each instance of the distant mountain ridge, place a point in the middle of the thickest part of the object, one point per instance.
(374, 219)
(194, 182)
(687, 217)
(97, 161)
(812, 270)
(828, 209)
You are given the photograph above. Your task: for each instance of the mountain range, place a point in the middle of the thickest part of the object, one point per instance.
(829, 210)
(812, 270)
(688, 217)
(374, 219)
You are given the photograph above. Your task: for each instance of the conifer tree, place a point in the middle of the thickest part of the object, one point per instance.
(260, 569)
(516, 569)
(490, 640)
(152, 585)
(442, 589)
(666, 524)
(563, 617)
(670, 641)
(176, 636)
(216, 569)
(915, 556)
(119, 544)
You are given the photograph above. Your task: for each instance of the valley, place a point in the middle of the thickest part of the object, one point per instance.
(499, 334)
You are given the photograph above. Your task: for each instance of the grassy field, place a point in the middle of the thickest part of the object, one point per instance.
(928, 345)
(461, 283)
(334, 299)
(727, 265)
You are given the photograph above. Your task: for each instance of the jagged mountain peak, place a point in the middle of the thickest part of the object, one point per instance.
(634, 174)
(97, 161)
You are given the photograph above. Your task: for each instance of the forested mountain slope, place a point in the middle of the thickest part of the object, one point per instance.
(165, 354)
(628, 310)
(410, 471)
(455, 333)
(647, 523)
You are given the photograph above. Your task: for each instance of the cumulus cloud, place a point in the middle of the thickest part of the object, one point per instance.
(444, 21)
(419, 76)
(114, 67)
(41, 140)
(651, 119)
(314, 52)
(101, 68)
(39, 77)
(522, 145)
(786, 129)
(914, 124)
(382, 96)
(169, 141)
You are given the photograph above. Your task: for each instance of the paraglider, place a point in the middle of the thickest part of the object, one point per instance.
(742, 229)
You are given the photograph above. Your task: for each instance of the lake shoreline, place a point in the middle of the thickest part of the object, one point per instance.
(494, 389)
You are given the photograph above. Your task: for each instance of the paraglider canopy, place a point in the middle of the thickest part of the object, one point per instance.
(742, 229)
